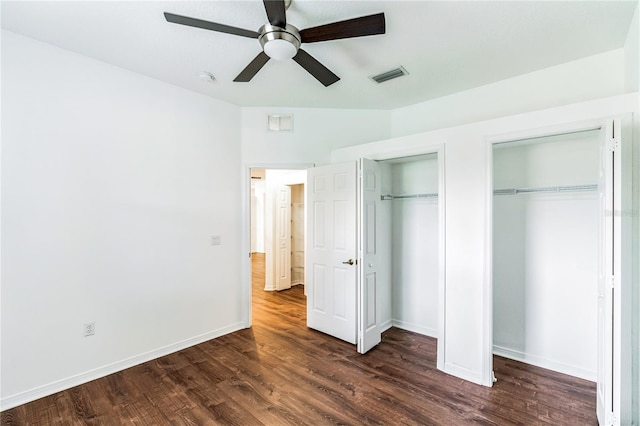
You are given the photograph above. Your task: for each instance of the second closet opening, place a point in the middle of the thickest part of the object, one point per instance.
(545, 252)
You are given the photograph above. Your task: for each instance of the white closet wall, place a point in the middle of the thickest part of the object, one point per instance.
(414, 245)
(257, 215)
(545, 249)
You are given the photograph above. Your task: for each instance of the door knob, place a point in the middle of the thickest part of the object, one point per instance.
(348, 262)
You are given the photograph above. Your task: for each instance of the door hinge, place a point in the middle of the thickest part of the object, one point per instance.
(613, 140)
(612, 281)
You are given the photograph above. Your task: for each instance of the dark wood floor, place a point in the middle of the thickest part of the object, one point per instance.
(281, 373)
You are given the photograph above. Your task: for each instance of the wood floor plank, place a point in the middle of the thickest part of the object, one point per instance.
(280, 372)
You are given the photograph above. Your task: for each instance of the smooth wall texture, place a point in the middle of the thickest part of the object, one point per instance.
(316, 132)
(112, 186)
(588, 78)
(631, 56)
(545, 254)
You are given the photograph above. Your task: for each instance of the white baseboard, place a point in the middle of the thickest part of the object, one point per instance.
(463, 372)
(385, 326)
(549, 364)
(11, 401)
(427, 331)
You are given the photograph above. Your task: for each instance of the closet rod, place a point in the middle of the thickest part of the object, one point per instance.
(397, 197)
(508, 191)
(572, 188)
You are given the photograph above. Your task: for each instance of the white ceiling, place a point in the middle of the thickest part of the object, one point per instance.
(446, 46)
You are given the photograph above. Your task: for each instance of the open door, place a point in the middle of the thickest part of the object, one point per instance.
(369, 332)
(604, 396)
(613, 386)
(283, 237)
(331, 268)
(342, 249)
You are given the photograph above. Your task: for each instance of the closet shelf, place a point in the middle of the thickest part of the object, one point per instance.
(571, 188)
(403, 196)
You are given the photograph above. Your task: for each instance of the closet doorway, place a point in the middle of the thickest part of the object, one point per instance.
(394, 228)
(546, 218)
(561, 275)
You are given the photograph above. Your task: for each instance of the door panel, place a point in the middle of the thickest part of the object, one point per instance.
(283, 237)
(297, 234)
(369, 330)
(614, 352)
(604, 398)
(331, 224)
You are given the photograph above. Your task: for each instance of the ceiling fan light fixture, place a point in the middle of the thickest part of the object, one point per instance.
(280, 50)
(278, 43)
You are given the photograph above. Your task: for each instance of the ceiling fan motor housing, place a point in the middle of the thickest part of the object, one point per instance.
(279, 43)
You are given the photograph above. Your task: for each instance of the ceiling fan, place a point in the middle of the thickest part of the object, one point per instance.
(281, 41)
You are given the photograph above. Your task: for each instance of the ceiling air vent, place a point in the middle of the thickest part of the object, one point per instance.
(389, 75)
(280, 123)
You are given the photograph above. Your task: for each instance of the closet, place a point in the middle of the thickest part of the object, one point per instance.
(545, 252)
(410, 202)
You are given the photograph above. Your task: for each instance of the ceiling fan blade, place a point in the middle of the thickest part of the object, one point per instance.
(315, 68)
(199, 23)
(356, 27)
(276, 12)
(252, 69)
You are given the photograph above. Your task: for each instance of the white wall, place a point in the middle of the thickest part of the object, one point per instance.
(112, 186)
(316, 132)
(414, 247)
(258, 189)
(631, 55)
(545, 254)
(588, 78)
(467, 336)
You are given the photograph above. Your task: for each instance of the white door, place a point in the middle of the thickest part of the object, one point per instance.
(604, 405)
(369, 333)
(613, 386)
(283, 237)
(331, 250)
(297, 234)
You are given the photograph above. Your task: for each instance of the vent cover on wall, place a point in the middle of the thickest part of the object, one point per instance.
(389, 75)
(280, 123)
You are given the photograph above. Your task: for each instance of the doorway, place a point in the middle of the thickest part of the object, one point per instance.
(277, 225)
(545, 252)
(377, 247)
(609, 298)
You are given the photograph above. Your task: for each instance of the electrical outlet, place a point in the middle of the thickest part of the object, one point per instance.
(216, 240)
(89, 328)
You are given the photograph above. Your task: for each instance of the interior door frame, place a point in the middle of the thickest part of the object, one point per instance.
(538, 132)
(438, 148)
(245, 233)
